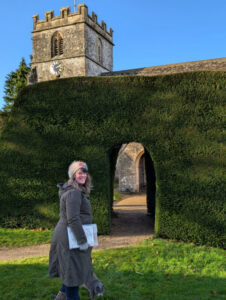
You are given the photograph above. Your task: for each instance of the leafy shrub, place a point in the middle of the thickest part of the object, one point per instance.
(177, 118)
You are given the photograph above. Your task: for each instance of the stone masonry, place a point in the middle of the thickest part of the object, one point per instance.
(130, 169)
(81, 35)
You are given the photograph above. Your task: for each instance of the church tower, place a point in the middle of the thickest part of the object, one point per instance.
(72, 44)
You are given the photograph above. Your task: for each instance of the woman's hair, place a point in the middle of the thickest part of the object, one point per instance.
(85, 188)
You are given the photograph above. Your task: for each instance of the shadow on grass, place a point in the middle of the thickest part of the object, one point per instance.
(28, 279)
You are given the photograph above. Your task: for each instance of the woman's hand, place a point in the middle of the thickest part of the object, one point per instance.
(83, 247)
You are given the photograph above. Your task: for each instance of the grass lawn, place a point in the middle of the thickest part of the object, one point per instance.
(156, 269)
(118, 196)
(23, 237)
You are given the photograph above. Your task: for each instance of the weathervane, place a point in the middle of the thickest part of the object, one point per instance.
(75, 5)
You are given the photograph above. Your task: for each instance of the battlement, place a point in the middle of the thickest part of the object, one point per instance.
(68, 18)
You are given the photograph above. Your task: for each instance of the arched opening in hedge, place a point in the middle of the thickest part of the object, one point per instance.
(177, 118)
(144, 176)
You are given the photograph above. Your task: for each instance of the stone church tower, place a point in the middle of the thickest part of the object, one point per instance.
(72, 44)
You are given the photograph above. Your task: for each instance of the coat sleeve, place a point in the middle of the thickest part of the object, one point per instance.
(73, 203)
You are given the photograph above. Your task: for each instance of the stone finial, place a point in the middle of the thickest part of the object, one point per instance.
(49, 15)
(35, 20)
(110, 31)
(83, 10)
(94, 17)
(65, 12)
(103, 25)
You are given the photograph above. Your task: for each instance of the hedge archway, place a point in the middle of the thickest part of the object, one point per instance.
(178, 118)
(150, 177)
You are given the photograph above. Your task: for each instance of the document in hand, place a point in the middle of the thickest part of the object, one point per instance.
(90, 232)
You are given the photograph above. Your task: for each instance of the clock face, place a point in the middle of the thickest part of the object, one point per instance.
(56, 68)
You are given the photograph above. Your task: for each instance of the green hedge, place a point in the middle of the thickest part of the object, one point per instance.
(177, 118)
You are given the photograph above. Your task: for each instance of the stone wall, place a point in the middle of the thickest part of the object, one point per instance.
(92, 68)
(73, 41)
(127, 167)
(91, 51)
(72, 67)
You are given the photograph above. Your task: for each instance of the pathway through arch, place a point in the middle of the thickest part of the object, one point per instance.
(132, 219)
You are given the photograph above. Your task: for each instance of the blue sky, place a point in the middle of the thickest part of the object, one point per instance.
(146, 32)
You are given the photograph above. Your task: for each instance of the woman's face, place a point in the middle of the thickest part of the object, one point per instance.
(80, 176)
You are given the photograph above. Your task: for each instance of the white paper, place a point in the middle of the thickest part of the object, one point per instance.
(91, 235)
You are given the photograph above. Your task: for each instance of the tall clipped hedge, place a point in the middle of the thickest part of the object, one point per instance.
(177, 118)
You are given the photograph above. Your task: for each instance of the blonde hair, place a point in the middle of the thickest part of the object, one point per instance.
(86, 188)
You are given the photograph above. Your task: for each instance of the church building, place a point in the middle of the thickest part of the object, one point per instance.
(72, 44)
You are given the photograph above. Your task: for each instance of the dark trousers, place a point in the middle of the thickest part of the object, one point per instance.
(71, 292)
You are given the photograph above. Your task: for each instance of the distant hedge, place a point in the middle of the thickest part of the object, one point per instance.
(177, 118)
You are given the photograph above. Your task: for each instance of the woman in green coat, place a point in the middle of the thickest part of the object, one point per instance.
(74, 267)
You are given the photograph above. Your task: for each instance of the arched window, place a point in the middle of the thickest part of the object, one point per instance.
(57, 45)
(99, 51)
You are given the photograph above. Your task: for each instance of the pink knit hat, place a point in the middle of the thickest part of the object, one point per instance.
(75, 166)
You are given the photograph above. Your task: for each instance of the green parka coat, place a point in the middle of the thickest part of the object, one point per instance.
(74, 266)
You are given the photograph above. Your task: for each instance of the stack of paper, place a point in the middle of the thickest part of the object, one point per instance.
(91, 235)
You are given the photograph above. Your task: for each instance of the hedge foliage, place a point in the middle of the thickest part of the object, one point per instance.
(177, 118)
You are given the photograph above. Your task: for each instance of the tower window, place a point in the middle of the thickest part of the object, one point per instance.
(61, 50)
(99, 51)
(57, 45)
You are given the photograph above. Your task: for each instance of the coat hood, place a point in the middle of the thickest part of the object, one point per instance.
(64, 187)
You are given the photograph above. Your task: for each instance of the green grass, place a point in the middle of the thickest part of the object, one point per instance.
(156, 269)
(23, 237)
(117, 196)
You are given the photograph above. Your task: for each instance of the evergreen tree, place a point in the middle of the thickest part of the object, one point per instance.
(1, 120)
(15, 81)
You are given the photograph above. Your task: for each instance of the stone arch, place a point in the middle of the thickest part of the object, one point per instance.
(128, 168)
(138, 170)
(57, 44)
(149, 169)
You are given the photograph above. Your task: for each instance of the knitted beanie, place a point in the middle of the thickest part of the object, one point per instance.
(75, 166)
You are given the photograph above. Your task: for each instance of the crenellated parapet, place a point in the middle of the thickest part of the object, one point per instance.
(69, 18)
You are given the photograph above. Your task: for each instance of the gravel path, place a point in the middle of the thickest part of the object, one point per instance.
(130, 226)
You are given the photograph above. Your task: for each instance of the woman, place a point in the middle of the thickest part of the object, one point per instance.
(74, 266)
